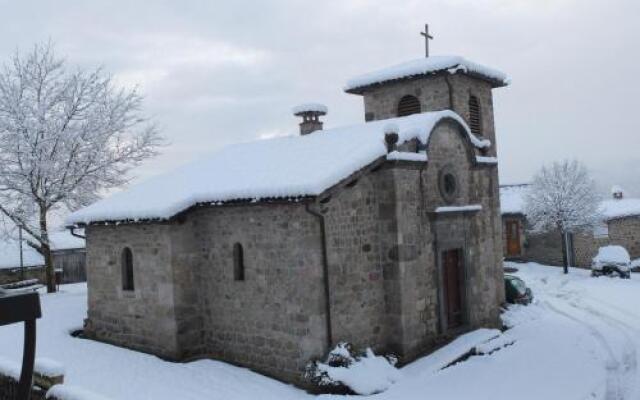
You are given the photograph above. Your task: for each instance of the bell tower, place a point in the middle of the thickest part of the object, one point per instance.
(432, 83)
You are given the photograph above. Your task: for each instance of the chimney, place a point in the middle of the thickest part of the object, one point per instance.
(617, 192)
(391, 136)
(310, 114)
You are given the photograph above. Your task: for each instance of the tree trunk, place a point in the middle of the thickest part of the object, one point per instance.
(46, 251)
(565, 249)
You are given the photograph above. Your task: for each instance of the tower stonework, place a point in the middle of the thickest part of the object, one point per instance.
(443, 90)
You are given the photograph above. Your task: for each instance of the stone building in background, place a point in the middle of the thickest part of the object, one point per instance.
(620, 225)
(267, 254)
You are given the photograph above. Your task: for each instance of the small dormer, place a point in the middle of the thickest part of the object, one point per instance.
(432, 84)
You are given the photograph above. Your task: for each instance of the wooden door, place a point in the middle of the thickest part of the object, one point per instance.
(452, 282)
(513, 238)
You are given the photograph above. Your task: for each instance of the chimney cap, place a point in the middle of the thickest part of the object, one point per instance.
(309, 108)
(617, 192)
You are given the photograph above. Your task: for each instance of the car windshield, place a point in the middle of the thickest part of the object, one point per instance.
(519, 285)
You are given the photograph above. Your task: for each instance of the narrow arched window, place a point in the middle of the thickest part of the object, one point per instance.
(408, 105)
(127, 269)
(238, 262)
(475, 121)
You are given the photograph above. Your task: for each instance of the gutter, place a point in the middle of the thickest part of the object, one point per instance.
(71, 228)
(325, 273)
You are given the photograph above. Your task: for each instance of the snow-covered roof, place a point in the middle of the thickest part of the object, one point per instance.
(512, 198)
(309, 107)
(620, 208)
(426, 66)
(64, 240)
(512, 201)
(284, 167)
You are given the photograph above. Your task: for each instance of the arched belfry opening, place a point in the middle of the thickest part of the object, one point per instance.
(475, 115)
(408, 105)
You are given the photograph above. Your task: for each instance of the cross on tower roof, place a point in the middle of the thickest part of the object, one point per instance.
(427, 36)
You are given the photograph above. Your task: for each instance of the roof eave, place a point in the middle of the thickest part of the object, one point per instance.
(360, 90)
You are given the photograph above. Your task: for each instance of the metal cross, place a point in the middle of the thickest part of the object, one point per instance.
(427, 36)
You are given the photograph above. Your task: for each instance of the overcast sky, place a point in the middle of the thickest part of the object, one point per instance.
(215, 72)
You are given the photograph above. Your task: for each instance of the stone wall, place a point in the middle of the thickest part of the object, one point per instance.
(274, 320)
(144, 318)
(626, 232)
(544, 248)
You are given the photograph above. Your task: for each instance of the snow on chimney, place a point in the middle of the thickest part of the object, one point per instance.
(617, 192)
(310, 113)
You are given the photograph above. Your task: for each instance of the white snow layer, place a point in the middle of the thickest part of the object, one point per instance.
(620, 208)
(512, 198)
(512, 201)
(369, 375)
(406, 156)
(612, 254)
(448, 209)
(10, 250)
(69, 392)
(486, 160)
(64, 240)
(285, 167)
(48, 367)
(424, 66)
(309, 107)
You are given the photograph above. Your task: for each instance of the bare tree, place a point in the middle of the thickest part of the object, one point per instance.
(65, 135)
(562, 197)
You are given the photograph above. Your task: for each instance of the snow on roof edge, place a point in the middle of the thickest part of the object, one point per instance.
(309, 107)
(263, 170)
(425, 66)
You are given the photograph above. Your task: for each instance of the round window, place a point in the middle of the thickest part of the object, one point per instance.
(448, 184)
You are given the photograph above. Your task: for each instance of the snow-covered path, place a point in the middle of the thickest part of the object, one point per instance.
(579, 340)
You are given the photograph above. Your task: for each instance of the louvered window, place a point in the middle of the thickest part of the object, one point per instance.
(475, 122)
(408, 105)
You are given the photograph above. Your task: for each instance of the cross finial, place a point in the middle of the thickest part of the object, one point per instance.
(427, 36)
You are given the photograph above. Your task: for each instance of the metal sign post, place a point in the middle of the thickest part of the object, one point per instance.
(23, 307)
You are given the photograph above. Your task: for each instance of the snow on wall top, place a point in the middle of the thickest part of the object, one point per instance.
(284, 167)
(425, 66)
(512, 198)
(309, 107)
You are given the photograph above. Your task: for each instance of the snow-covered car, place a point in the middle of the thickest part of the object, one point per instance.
(611, 260)
(516, 291)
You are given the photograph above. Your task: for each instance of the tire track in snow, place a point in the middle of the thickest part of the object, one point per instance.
(615, 388)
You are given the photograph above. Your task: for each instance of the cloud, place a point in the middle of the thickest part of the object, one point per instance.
(215, 73)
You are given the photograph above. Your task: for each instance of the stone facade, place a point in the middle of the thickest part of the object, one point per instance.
(361, 262)
(383, 241)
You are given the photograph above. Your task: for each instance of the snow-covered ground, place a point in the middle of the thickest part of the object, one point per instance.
(579, 340)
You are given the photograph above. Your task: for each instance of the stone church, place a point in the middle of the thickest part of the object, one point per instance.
(267, 254)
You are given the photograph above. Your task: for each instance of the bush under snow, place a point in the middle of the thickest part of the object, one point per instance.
(363, 374)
